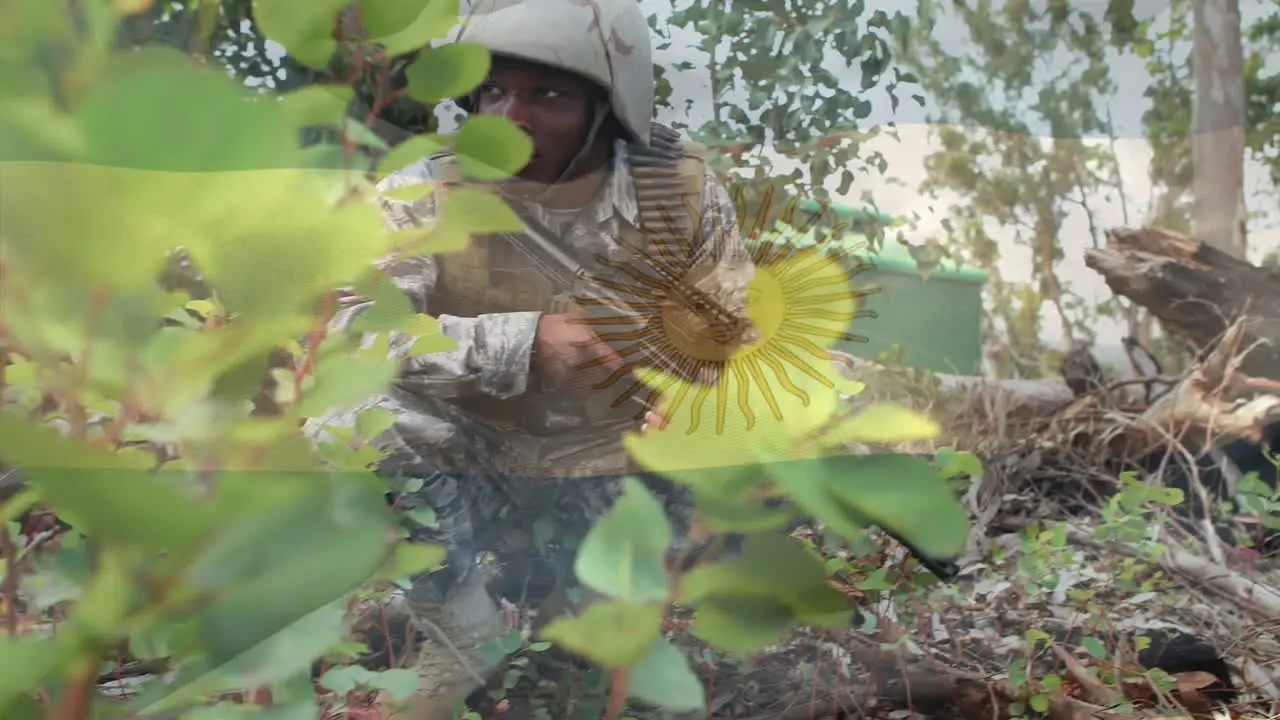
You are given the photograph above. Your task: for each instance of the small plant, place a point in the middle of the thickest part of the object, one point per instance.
(1126, 520)
(1034, 693)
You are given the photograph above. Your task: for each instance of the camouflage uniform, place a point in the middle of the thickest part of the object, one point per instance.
(494, 447)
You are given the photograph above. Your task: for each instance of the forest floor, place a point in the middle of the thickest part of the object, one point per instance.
(1074, 588)
(1079, 598)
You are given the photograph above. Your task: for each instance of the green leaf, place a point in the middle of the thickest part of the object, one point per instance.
(373, 422)
(623, 555)
(1035, 635)
(24, 707)
(304, 29)
(424, 516)
(277, 579)
(27, 661)
(900, 493)
(877, 580)
(770, 565)
(1039, 703)
(279, 654)
(316, 105)
(215, 128)
(345, 678)
(882, 423)
(128, 316)
(432, 21)
(743, 624)
(665, 679)
(274, 528)
(388, 17)
(737, 515)
(408, 193)
(820, 501)
(834, 565)
(391, 308)
(342, 381)
(400, 683)
(112, 496)
(159, 178)
(1094, 647)
(787, 578)
(491, 147)
(109, 599)
(357, 132)
(511, 642)
(286, 246)
(412, 559)
(162, 640)
(410, 152)
(428, 336)
(447, 72)
(343, 457)
(476, 212)
(613, 633)
(952, 463)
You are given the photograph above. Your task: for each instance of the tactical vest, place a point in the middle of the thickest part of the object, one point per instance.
(492, 276)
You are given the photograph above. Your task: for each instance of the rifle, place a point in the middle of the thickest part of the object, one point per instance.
(560, 267)
(945, 570)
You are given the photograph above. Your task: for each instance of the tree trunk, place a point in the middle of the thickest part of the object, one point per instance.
(1196, 291)
(1219, 118)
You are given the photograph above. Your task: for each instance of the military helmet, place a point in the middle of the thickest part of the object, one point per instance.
(604, 41)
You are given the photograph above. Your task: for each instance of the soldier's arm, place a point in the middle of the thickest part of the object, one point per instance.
(493, 350)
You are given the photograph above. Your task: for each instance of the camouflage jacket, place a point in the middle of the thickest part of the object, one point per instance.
(493, 351)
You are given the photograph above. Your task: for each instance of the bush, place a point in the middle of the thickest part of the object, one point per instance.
(208, 531)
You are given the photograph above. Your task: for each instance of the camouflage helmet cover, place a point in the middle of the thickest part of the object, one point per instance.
(605, 41)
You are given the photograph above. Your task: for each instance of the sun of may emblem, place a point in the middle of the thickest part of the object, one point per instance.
(731, 330)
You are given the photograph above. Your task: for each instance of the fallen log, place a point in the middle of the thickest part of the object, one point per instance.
(1196, 291)
(1041, 394)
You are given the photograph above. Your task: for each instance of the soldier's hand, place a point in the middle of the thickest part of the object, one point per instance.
(571, 355)
(653, 421)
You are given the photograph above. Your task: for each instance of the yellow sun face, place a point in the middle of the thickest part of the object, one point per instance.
(735, 331)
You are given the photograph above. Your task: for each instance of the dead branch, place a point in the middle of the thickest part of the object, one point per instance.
(1200, 407)
(1094, 690)
(1258, 599)
(1196, 291)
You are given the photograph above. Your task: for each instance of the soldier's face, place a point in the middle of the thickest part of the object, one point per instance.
(553, 107)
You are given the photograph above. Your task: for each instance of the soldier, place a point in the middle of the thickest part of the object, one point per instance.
(506, 428)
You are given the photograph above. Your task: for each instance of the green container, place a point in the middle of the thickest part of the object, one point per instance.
(934, 320)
